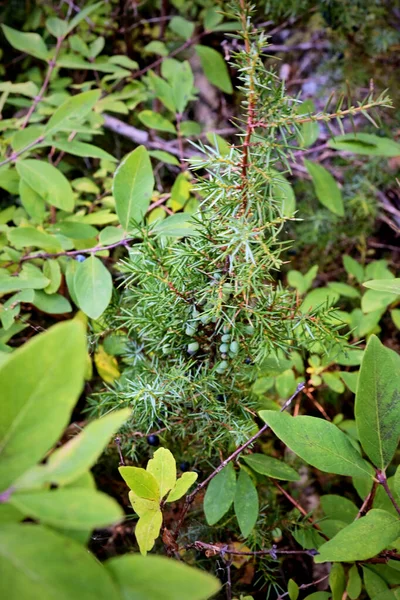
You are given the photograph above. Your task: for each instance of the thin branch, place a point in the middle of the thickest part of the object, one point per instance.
(52, 63)
(214, 549)
(233, 456)
(306, 585)
(381, 477)
(93, 250)
(368, 501)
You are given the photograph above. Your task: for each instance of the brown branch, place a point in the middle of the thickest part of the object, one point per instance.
(368, 501)
(381, 477)
(52, 63)
(189, 499)
(214, 549)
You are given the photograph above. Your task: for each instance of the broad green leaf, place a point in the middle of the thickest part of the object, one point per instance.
(53, 304)
(76, 231)
(181, 27)
(212, 17)
(354, 583)
(220, 494)
(142, 506)
(361, 540)
(282, 193)
(111, 235)
(133, 186)
(30, 43)
(391, 286)
(30, 277)
(52, 270)
(182, 85)
(48, 182)
(319, 297)
(72, 110)
(377, 406)
(373, 300)
(333, 381)
(271, 467)
(318, 596)
(82, 14)
(143, 483)
(165, 157)
(178, 225)
(326, 188)
(293, 590)
(26, 137)
(69, 508)
(337, 581)
(353, 268)
(37, 406)
(56, 27)
(81, 452)
(395, 314)
(365, 143)
(246, 503)
(36, 562)
(23, 237)
(350, 379)
(309, 131)
(163, 468)
(81, 149)
(344, 289)
(285, 383)
(147, 530)
(180, 192)
(160, 578)
(92, 287)
(163, 90)
(339, 507)
(318, 442)
(182, 485)
(156, 121)
(374, 584)
(215, 68)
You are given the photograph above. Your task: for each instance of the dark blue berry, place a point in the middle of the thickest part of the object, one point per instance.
(248, 361)
(80, 257)
(184, 466)
(153, 440)
(220, 397)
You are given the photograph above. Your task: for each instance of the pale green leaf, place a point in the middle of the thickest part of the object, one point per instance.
(361, 540)
(354, 583)
(83, 14)
(81, 149)
(154, 120)
(37, 563)
(163, 468)
(37, 406)
(318, 442)
(214, 68)
(293, 590)
(182, 486)
(391, 286)
(143, 483)
(220, 494)
(374, 584)
(365, 143)
(337, 581)
(147, 530)
(133, 186)
(56, 27)
(75, 108)
(339, 507)
(353, 268)
(160, 578)
(181, 27)
(76, 508)
(48, 182)
(326, 188)
(142, 506)
(111, 235)
(22, 237)
(53, 304)
(377, 406)
(30, 43)
(52, 270)
(246, 503)
(92, 287)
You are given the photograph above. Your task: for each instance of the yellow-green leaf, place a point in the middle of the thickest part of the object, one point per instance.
(182, 486)
(163, 467)
(147, 530)
(143, 483)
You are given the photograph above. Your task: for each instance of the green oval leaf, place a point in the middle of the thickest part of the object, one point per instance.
(271, 467)
(182, 486)
(156, 121)
(365, 143)
(326, 188)
(246, 503)
(37, 406)
(30, 43)
(43, 564)
(391, 286)
(48, 182)
(163, 468)
(133, 186)
(92, 287)
(220, 494)
(143, 483)
(214, 68)
(361, 540)
(377, 406)
(69, 508)
(318, 442)
(72, 110)
(156, 577)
